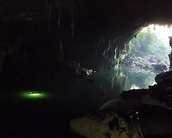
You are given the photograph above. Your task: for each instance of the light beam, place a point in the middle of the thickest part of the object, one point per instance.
(33, 95)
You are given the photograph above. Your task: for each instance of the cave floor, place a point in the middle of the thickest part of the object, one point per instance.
(50, 117)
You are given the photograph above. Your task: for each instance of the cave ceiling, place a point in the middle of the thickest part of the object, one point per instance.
(77, 28)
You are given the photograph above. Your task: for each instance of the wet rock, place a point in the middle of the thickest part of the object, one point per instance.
(162, 77)
(116, 118)
(156, 106)
(119, 106)
(157, 95)
(78, 70)
(111, 126)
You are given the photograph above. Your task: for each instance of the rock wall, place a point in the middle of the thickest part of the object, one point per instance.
(86, 31)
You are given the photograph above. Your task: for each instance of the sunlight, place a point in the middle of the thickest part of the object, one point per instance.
(162, 32)
(148, 55)
(134, 87)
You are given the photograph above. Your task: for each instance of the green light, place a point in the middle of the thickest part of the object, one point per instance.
(33, 95)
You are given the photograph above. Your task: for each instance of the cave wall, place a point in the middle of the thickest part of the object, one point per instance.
(38, 35)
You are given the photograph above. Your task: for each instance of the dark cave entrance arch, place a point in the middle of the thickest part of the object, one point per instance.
(145, 56)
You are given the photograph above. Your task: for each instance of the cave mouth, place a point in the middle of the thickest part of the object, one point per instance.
(145, 56)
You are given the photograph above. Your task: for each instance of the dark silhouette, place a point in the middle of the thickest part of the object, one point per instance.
(170, 55)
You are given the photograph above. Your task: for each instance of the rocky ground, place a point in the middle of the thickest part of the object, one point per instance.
(139, 113)
(160, 94)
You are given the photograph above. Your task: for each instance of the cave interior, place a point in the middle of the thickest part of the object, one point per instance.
(60, 59)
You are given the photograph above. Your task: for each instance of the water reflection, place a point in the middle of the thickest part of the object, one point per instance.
(127, 77)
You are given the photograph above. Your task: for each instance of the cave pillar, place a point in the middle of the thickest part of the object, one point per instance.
(170, 55)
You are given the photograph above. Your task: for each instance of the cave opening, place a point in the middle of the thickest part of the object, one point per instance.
(145, 56)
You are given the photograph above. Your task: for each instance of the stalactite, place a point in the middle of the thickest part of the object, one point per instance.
(59, 20)
(46, 4)
(115, 55)
(109, 45)
(59, 14)
(61, 51)
(72, 19)
(48, 12)
(49, 15)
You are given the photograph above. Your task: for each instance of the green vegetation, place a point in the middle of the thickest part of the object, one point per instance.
(140, 78)
(147, 50)
(127, 77)
(147, 45)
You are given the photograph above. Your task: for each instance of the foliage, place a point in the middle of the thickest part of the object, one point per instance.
(143, 52)
(147, 45)
(126, 77)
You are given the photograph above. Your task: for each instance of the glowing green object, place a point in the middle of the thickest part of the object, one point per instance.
(33, 95)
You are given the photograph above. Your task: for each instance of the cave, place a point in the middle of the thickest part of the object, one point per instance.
(86, 68)
(145, 56)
